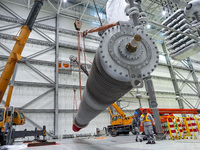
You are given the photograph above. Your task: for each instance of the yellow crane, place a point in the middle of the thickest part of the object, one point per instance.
(9, 116)
(120, 123)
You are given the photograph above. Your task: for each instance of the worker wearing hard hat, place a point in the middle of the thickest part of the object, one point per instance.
(135, 126)
(147, 119)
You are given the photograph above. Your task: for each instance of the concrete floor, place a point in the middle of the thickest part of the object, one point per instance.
(111, 143)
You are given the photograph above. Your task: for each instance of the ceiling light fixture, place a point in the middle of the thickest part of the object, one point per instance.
(148, 26)
(164, 13)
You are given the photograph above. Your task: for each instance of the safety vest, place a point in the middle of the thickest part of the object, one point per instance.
(146, 118)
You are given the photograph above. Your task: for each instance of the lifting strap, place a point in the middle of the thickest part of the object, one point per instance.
(79, 66)
(84, 54)
(104, 27)
(74, 104)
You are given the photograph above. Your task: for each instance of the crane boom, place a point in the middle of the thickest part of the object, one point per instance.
(15, 54)
(111, 114)
(119, 110)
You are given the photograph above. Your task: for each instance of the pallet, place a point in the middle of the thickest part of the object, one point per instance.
(40, 144)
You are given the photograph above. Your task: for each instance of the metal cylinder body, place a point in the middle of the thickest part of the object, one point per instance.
(97, 94)
(115, 70)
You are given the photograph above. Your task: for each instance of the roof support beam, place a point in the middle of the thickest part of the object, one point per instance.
(84, 9)
(73, 6)
(10, 11)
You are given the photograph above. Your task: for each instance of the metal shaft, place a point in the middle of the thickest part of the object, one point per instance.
(153, 104)
(132, 45)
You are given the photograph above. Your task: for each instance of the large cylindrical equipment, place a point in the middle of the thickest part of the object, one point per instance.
(116, 69)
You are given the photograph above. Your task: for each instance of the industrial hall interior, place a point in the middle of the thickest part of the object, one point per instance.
(99, 74)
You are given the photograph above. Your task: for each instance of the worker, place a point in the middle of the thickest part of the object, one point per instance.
(147, 119)
(98, 131)
(1, 117)
(135, 126)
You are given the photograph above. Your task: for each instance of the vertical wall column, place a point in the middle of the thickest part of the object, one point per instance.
(56, 77)
(153, 105)
(173, 77)
(196, 82)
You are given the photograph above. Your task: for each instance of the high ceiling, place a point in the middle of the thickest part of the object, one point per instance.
(85, 10)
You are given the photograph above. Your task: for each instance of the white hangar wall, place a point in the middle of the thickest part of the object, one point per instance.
(35, 94)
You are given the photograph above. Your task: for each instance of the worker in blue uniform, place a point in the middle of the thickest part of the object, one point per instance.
(135, 126)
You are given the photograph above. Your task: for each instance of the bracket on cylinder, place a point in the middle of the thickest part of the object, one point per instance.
(136, 78)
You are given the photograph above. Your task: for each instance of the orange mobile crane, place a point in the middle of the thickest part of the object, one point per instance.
(120, 124)
(9, 116)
